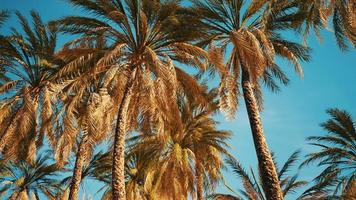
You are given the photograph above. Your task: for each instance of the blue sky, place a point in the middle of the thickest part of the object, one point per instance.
(289, 116)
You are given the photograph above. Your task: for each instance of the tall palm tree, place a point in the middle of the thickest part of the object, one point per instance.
(144, 39)
(86, 106)
(27, 92)
(252, 189)
(22, 180)
(318, 13)
(255, 40)
(96, 123)
(88, 170)
(155, 166)
(337, 152)
(206, 142)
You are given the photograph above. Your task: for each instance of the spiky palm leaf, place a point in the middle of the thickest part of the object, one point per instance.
(317, 14)
(337, 152)
(27, 93)
(162, 163)
(99, 168)
(187, 159)
(4, 15)
(255, 38)
(144, 39)
(22, 180)
(251, 39)
(252, 189)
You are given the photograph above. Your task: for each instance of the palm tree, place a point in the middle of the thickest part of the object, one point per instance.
(154, 166)
(88, 170)
(206, 142)
(96, 123)
(85, 111)
(21, 180)
(187, 159)
(255, 39)
(337, 152)
(252, 185)
(317, 14)
(99, 168)
(27, 92)
(144, 39)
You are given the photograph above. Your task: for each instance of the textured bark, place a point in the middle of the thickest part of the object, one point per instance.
(199, 177)
(78, 169)
(267, 169)
(118, 175)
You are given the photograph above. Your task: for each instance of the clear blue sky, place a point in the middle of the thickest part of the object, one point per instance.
(289, 116)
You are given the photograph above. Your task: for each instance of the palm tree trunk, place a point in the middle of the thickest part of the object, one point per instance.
(199, 177)
(78, 168)
(267, 169)
(14, 196)
(118, 175)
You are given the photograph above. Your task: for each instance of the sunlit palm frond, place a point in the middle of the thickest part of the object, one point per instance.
(30, 62)
(317, 15)
(254, 37)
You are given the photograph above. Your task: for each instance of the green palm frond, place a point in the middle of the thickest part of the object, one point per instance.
(290, 184)
(337, 152)
(254, 36)
(4, 15)
(41, 176)
(154, 159)
(289, 163)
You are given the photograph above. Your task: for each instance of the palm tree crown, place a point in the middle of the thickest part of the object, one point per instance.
(142, 39)
(189, 159)
(317, 14)
(27, 92)
(254, 37)
(23, 180)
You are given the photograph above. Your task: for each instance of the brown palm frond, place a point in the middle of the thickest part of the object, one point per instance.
(217, 60)
(9, 85)
(228, 92)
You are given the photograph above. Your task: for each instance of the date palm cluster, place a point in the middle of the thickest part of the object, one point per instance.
(131, 83)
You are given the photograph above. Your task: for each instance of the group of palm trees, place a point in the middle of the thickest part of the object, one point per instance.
(123, 80)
